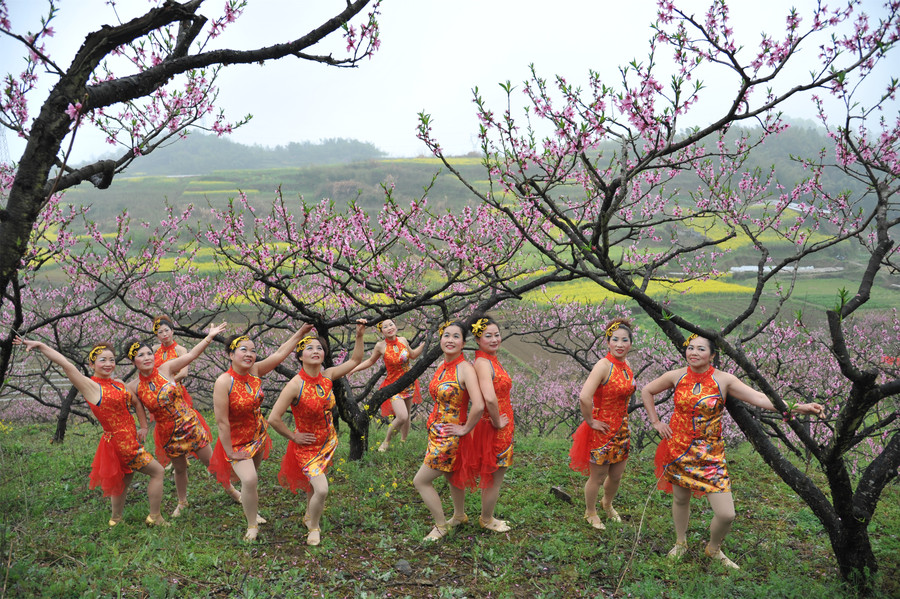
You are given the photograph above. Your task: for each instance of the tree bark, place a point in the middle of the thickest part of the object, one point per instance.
(62, 420)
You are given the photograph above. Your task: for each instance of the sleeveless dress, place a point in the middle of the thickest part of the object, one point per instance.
(248, 427)
(312, 414)
(396, 363)
(694, 458)
(163, 354)
(590, 446)
(178, 429)
(451, 404)
(493, 447)
(119, 452)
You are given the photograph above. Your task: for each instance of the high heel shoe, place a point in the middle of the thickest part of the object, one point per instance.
(494, 524)
(677, 551)
(721, 558)
(454, 521)
(611, 513)
(594, 520)
(313, 537)
(437, 532)
(156, 520)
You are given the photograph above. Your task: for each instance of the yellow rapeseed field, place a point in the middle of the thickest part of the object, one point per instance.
(590, 292)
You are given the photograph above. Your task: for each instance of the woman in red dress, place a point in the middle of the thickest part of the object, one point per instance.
(397, 356)
(495, 429)
(691, 457)
(168, 349)
(120, 452)
(179, 430)
(455, 390)
(312, 444)
(600, 445)
(243, 441)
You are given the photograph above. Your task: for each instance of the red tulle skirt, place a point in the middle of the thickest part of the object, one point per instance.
(583, 441)
(106, 470)
(159, 451)
(291, 475)
(220, 466)
(412, 391)
(662, 459)
(476, 460)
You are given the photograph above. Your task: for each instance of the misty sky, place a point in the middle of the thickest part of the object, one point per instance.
(433, 54)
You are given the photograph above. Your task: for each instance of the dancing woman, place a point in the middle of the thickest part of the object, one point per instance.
(691, 457)
(600, 445)
(179, 429)
(243, 441)
(397, 356)
(120, 451)
(312, 444)
(169, 349)
(496, 427)
(455, 390)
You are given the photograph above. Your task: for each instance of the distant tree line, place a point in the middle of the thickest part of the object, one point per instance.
(200, 154)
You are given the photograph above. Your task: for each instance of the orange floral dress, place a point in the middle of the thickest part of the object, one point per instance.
(119, 452)
(312, 414)
(248, 427)
(694, 457)
(396, 363)
(451, 404)
(492, 447)
(179, 429)
(163, 354)
(590, 446)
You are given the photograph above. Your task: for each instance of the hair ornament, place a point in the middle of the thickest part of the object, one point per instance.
(236, 341)
(133, 350)
(443, 327)
(612, 328)
(691, 338)
(92, 357)
(301, 345)
(379, 325)
(479, 327)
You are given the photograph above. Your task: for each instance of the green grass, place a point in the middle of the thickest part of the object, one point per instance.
(54, 541)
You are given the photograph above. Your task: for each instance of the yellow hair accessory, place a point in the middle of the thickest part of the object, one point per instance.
(479, 327)
(92, 357)
(301, 345)
(233, 345)
(691, 338)
(379, 325)
(442, 327)
(613, 327)
(133, 350)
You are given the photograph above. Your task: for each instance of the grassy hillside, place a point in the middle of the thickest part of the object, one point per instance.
(54, 541)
